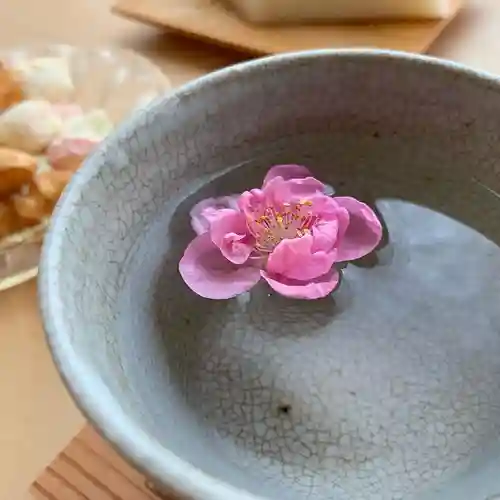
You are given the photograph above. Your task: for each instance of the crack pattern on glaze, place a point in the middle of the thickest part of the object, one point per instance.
(380, 401)
(379, 405)
(384, 391)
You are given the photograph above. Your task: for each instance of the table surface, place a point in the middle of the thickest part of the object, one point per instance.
(37, 418)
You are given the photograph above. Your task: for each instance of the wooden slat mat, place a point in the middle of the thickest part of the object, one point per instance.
(89, 469)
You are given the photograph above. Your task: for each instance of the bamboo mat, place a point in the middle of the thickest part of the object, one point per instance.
(89, 469)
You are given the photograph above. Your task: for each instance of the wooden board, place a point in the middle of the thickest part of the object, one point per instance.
(89, 469)
(208, 20)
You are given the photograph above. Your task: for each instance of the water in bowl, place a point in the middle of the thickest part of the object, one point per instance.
(384, 391)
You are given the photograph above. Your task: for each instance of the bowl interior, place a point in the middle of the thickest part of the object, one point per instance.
(389, 389)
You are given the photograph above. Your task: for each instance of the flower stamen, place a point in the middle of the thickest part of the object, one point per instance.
(287, 222)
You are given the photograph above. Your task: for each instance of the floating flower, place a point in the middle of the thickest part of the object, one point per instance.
(289, 233)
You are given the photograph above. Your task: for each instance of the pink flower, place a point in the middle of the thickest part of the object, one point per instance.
(290, 233)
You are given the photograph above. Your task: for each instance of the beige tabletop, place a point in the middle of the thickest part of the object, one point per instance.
(37, 418)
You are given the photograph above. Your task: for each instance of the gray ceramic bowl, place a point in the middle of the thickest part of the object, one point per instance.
(390, 389)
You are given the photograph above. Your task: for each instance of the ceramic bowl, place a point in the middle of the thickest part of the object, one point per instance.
(387, 390)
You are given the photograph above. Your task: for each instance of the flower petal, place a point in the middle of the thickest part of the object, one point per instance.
(279, 191)
(331, 225)
(204, 212)
(363, 233)
(316, 289)
(209, 274)
(294, 259)
(287, 172)
(325, 235)
(252, 203)
(229, 231)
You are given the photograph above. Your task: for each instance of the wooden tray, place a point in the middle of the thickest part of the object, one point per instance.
(208, 20)
(89, 469)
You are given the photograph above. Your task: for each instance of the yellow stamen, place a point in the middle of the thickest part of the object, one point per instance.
(274, 225)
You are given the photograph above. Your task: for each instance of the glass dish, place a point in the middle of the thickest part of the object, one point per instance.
(108, 78)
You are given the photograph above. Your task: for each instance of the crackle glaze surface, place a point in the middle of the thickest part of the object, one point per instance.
(389, 389)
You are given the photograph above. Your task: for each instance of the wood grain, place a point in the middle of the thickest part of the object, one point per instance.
(210, 21)
(89, 469)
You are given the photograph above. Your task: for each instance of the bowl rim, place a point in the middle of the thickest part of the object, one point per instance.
(87, 389)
